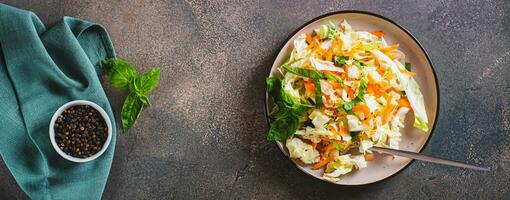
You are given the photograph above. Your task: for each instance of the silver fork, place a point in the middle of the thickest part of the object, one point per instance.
(425, 158)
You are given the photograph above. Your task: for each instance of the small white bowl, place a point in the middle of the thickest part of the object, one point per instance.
(75, 103)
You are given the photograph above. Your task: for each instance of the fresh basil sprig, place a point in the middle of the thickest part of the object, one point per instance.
(123, 75)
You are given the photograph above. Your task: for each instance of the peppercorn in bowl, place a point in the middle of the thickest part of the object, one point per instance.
(80, 131)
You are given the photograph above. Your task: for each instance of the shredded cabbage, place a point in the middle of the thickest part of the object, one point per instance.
(304, 152)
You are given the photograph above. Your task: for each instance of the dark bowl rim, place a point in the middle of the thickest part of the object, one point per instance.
(405, 31)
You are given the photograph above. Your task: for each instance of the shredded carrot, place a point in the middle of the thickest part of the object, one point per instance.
(345, 68)
(350, 92)
(388, 109)
(381, 70)
(378, 34)
(325, 96)
(407, 72)
(403, 102)
(335, 134)
(389, 48)
(310, 87)
(308, 38)
(370, 91)
(335, 84)
(328, 148)
(374, 89)
(314, 145)
(364, 54)
(323, 162)
(342, 129)
(369, 157)
(362, 108)
(336, 48)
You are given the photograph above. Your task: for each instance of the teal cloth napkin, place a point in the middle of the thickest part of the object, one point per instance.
(40, 70)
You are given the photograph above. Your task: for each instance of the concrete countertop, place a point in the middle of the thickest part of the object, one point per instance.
(204, 136)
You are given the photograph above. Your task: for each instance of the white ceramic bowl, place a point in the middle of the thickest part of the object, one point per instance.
(412, 139)
(75, 103)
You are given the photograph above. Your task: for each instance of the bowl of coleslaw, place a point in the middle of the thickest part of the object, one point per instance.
(347, 81)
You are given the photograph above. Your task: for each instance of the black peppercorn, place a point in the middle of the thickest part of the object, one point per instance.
(80, 131)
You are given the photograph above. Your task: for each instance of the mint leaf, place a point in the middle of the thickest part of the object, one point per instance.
(130, 111)
(120, 73)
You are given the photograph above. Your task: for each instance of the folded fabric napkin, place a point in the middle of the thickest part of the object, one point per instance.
(40, 70)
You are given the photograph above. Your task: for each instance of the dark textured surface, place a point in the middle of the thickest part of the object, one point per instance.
(204, 136)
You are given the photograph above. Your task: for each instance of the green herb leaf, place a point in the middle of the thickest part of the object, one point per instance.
(120, 73)
(331, 30)
(340, 146)
(334, 78)
(348, 106)
(358, 64)
(309, 73)
(326, 31)
(145, 100)
(288, 112)
(340, 60)
(130, 111)
(408, 66)
(282, 129)
(123, 75)
(361, 95)
(312, 74)
(362, 89)
(148, 81)
(354, 136)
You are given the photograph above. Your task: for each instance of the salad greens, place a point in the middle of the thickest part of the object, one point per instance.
(288, 113)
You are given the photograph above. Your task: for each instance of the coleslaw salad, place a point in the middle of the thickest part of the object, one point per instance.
(340, 89)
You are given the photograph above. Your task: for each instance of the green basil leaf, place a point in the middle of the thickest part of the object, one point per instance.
(145, 100)
(147, 82)
(120, 72)
(130, 111)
